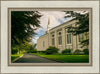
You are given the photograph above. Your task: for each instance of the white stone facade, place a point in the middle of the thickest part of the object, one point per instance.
(60, 38)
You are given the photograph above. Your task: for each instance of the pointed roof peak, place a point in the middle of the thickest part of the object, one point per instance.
(48, 20)
(48, 25)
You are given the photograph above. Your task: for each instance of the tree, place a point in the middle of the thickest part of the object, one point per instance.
(21, 48)
(32, 48)
(81, 26)
(23, 24)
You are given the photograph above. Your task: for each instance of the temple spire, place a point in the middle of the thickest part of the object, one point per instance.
(48, 26)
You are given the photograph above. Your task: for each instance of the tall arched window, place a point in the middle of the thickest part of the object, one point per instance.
(43, 44)
(69, 39)
(59, 38)
(53, 40)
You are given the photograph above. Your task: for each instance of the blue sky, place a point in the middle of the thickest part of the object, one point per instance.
(56, 18)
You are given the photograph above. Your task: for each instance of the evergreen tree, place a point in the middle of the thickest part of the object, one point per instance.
(81, 26)
(23, 25)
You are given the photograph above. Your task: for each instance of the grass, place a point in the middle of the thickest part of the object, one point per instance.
(15, 56)
(67, 58)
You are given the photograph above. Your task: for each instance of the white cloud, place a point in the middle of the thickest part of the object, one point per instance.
(54, 16)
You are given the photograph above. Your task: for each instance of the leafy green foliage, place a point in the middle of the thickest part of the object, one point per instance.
(77, 51)
(41, 52)
(32, 49)
(81, 26)
(66, 51)
(23, 24)
(52, 50)
(24, 48)
(86, 51)
(14, 50)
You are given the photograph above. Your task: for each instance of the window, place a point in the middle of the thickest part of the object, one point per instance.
(60, 40)
(69, 39)
(82, 37)
(43, 44)
(53, 41)
(52, 35)
(59, 33)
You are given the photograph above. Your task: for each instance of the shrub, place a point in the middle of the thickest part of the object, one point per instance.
(32, 51)
(86, 51)
(66, 51)
(35, 51)
(77, 51)
(14, 51)
(41, 52)
(52, 50)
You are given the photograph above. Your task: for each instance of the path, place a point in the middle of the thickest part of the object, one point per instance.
(30, 58)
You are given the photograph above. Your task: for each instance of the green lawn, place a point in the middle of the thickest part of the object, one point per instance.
(67, 58)
(14, 56)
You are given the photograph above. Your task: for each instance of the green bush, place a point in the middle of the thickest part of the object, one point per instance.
(35, 51)
(41, 52)
(32, 51)
(66, 51)
(52, 50)
(86, 51)
(14, 51)
(77, 51)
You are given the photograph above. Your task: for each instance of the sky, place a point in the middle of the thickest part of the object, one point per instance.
(56, 18)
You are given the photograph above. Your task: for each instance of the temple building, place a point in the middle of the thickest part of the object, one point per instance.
(60, 38)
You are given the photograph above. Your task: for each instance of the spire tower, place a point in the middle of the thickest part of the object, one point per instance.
(48, 26)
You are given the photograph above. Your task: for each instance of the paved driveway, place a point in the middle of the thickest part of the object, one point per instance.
(30, 58)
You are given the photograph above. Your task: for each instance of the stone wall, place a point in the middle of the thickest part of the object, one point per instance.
(42, 43)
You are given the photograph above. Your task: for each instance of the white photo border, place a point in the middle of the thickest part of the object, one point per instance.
(48, 69)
